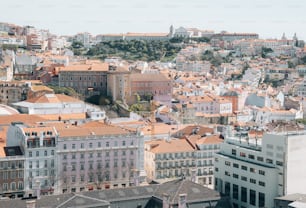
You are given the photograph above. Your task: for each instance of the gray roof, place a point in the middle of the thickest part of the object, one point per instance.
(26, 60)
(293, 197)
(196, 193)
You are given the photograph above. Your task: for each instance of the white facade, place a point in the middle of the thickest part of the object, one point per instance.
(39, 147)
(254, 173)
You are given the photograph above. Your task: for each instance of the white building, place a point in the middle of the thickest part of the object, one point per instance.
(252, 172)
(38, 144)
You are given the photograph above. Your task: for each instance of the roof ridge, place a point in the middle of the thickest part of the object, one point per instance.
(176, 193)
(74, 195)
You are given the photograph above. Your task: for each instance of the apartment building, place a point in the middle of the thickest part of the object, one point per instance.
(98, 156)
(157, 85)
(190, 156)
(14, 91)
(38, 145)
(253, 171)
(171, 158)
(12, 173)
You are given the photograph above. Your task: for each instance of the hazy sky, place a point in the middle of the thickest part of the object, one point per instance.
(269, 18)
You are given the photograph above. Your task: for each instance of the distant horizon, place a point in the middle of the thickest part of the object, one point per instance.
(268, 19)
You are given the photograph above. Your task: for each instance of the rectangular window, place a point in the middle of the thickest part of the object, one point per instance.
(252, 197)
(73, 146)
(251, 157)
(261, 199)
(242, 154)
(279, 163)
(227, 173)
(227, 163)
(234, 152)
(261, 183)
(65, 146)
(235, 165)
(261, 172)
(227, 188)
(269, 161)
(244, 167)
(260, 159)
(243, 194)
(252, 180)
(243, 178)
(235, 191)
(235, 175)
(252, 170)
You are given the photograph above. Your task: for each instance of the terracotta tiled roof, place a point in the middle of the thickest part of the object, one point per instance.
(53, 98)
(173, 145)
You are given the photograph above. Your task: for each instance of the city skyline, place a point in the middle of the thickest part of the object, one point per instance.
(66, 18)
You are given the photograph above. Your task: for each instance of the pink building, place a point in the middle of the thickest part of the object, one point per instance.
(156, 85)
(99, 156)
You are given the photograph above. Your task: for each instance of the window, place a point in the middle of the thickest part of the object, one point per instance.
(30, 153)
(123, 143)
(131, 152)
(82, 178)
(235, 175)
(244, 167)
(45, 153)
(242, 154)
(73, 156)
(37, 164)
(82, 155)
(99, 154)
(243, 194)
(65, 146)
(235, 191)
(73, 166)
(37, 153)
(99, 144)
(251, 157)
(107, 144)
(261, 199)
(227, 163)
(90, 155)
(227, 173)
(252, 197)
(260, 159)
(90, 145)
(73, 146)
(107, 154)
(235, 165)
(269, 161)
(243, 178)
(252, 180)
(261, 183)
(64, 157)
(82, 145)
(73, 179)
(82, 166)
(115, 153)
(227, 188)
(52, 152)
(46, 164)
(252, 170)
(279, 163)
(261, 172)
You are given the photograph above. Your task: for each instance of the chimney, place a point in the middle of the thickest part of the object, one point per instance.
(31, 204)
(194, 175)
(182, 201)
(37, 183)
(166, 203)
